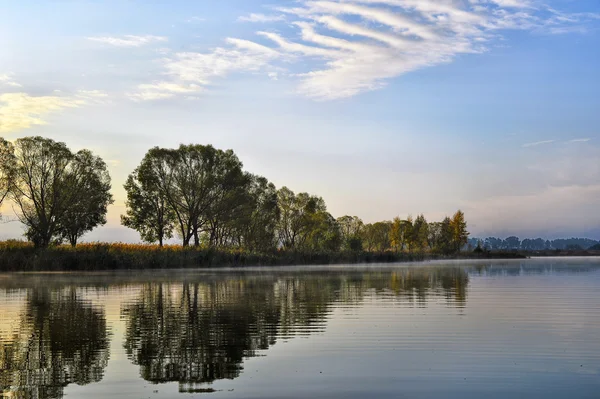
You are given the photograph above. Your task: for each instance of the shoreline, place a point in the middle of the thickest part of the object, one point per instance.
(23, 257)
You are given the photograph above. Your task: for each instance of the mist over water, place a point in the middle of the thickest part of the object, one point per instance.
(462, 329)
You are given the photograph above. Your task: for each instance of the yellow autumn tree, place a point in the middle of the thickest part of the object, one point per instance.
(460, 235)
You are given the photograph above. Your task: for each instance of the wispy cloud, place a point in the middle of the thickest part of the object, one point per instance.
(195, 20)
(20, 111)
(162, 90)
(128, 40)
(534, 144)
(579, 140)
(346, 47)
(192, 72)
(513, 3)
(261, 18)
(8, 80)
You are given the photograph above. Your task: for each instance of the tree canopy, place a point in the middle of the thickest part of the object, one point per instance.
(59, 195)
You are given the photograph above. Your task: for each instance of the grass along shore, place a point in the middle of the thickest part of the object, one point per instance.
(22, 256)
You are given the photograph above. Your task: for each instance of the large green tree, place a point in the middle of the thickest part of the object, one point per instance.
(298, 217)
(376, 236)
(419, 233)
(147, 210)
(57, 193)
(204, 187)
(230, 195)
(323, 233)
(89, 180)
(255, 227)
(351, 229)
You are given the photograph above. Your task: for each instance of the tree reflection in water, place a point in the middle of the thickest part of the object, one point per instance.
(60, 340)
(197, 332)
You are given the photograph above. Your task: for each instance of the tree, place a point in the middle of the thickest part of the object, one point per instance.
(324, 233)
(398, 234)
(297, 217)
(350, 229)
(434, 235)
(49, 184)
(197, 183)
(376, 236)
(444, 240)
(7, 166)
(460, 234)
(147, 210)
(419, 233)
(512, 242)
(256, 229)
(408, 233)
(230, 195)
(89, 180)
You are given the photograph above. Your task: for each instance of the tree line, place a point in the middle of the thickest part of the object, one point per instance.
(514, 243)
(200, 195)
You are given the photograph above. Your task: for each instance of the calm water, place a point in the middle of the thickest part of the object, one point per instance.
(527, 329)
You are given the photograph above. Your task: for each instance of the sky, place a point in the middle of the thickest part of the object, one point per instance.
(383, 107)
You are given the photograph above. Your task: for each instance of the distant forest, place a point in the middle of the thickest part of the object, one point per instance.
(513, 243)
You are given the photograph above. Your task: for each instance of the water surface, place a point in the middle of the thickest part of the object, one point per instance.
(443, 330)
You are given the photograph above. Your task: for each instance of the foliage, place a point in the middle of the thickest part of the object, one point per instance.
(58, 194)
(256, 224)
(351, 228)
(299, 215)
(419, 233)
(399, 233)
(534, 244)
(89, 179)
(376, 236)
(147, 210)
(7, 162)
(203, 187)
(460, 234)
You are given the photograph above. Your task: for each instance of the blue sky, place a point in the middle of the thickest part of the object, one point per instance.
(383, 107)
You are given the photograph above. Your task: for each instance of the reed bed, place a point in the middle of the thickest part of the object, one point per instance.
(23, 256)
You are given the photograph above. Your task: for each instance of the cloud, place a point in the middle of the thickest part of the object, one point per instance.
(579, 140)
(20, 111)
(534, 144)
(128, 40)
(149, 95)
(192, 72)
(195, 20)
(513, 3)
(341, 48)
(162, 90)
(7, 80)
(262, 18)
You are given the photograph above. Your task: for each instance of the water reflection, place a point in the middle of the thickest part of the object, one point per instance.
(59, 340)
(195, 328)
(195, 333)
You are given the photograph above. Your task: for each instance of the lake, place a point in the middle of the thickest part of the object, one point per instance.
(464, 329)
